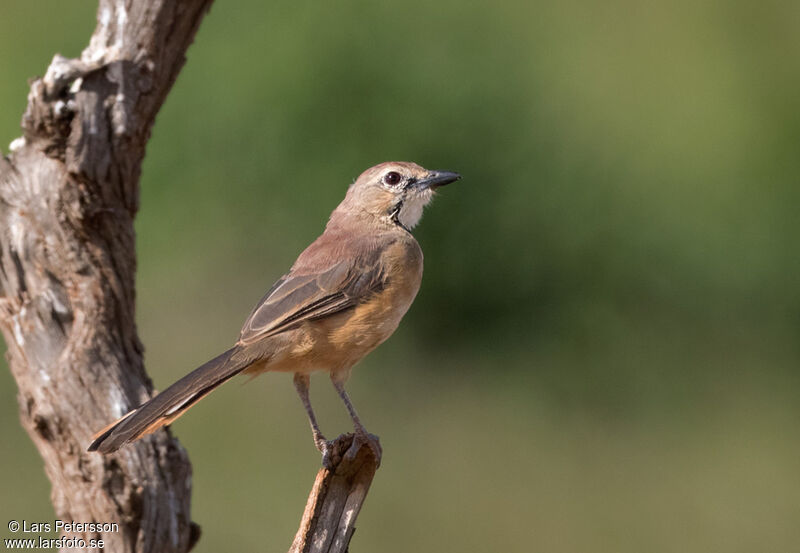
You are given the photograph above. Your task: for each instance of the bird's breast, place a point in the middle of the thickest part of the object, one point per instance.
(373, 320)
(339, 341)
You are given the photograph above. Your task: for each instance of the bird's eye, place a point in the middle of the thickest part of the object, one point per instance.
(392, 178)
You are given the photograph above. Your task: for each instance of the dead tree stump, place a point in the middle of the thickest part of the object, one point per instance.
(69, 190)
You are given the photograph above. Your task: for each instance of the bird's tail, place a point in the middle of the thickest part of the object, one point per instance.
(169, 404)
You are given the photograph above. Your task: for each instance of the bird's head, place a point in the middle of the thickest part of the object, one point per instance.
(396, 191)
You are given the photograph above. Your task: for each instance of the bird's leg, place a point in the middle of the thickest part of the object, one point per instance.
(360, 436)
(301, 384)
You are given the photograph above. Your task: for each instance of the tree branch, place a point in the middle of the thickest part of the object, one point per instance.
(68, 193)
(329, 520)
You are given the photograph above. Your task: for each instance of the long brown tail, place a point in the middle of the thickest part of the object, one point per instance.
(169, 404)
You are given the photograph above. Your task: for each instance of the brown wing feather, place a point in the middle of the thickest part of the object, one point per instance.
(305, 294)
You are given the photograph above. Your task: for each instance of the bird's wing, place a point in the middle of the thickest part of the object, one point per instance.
(304, 296)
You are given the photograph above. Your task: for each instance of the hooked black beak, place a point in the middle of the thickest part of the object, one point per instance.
(435, 179)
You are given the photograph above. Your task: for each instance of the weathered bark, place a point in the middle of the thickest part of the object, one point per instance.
(69, 191)
(329, 520)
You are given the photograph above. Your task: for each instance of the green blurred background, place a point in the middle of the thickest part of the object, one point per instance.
(604, 353)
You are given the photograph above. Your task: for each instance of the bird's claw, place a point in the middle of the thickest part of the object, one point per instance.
(325, 447)
(332, 450)
(365, 438)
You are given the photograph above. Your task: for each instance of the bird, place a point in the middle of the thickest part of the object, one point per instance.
(344, 295)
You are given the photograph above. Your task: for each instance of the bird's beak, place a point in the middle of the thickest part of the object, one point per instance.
(435, 179)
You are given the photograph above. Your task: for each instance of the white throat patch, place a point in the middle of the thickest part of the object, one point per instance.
(413, 205)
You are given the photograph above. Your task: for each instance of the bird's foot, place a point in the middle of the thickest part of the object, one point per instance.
(360, 438)
(334, 452)
(326, 447)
